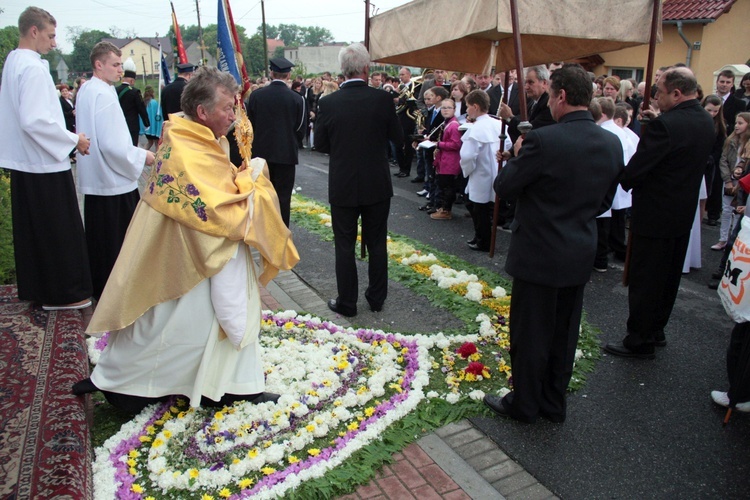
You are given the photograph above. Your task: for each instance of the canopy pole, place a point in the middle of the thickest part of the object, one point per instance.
(503, 130)
(367, 25)
(645, 105)
(519, 59)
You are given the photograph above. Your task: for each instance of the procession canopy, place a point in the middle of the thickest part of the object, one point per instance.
(420, 34)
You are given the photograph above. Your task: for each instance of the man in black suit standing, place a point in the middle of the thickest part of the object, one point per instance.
(495, 91)
(665, 176)
(278, 116)
(535, 86)
(172, 93)
(563, 177)
(354, 126)
(132, 103)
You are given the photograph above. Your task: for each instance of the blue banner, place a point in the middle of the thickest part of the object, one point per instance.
(165, 71)
(227, 50)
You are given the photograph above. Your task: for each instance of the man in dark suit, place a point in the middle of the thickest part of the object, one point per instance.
(132, 104)
(563, 177)
(354, 126)
(278, 116)
(535, 86)
(665, 175)
(172, 93)
(495, 91)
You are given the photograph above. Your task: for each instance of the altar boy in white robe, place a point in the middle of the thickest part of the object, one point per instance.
(183, 303)
(52, 266)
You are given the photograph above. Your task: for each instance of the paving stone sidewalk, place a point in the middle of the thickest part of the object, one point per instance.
(454, 462)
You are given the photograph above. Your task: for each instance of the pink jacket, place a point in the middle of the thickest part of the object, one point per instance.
(448, 156)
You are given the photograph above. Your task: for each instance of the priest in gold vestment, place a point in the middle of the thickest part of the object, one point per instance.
(183, 303)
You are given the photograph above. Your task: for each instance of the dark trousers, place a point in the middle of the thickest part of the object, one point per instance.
(481, 215)
(715, 194)
(738, 337)
(447, 185)
(49, 244)
(405, 152)
(107, 219)
(543, 339)
(603, 225)
(617, 241)
(421, 165)
(374, 234)
(654, 279)
(282, 178)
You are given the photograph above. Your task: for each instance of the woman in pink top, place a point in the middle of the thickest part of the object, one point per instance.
(447, 161)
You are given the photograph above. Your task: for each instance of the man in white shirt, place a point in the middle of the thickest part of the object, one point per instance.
(49, 245)
(109, 175)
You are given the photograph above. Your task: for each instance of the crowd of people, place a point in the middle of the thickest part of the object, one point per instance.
(570, 181)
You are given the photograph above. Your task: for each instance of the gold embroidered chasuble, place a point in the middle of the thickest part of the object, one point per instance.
(195, 210)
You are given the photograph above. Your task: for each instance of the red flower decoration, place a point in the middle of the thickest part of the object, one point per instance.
(476, 368)
(466, 350)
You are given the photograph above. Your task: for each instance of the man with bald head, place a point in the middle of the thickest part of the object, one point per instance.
(665, 175)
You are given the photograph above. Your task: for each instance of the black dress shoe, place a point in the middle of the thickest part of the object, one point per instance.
(334, 306)
(376, 308)
(478, 248)
(496, 404)
(425, 208)
(401, 174)
(85, 386)
(717, 276)
(431, 210)
(623, 352)
(417, 179)
(714, 285)
(472, 241)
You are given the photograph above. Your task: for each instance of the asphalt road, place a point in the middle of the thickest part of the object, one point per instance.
(638, 429)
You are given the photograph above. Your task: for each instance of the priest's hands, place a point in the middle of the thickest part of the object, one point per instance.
(83, 144)
(149, 158)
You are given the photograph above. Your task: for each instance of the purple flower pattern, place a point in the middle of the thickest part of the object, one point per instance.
(215, 461)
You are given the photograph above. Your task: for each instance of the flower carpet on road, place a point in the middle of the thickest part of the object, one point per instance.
(350, 397)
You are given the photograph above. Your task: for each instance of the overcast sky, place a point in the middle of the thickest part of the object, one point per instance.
(344, 18)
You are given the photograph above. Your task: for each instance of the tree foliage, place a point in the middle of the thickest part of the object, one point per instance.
(79, 58)
(8, 42)
(294, 35)
(254, 55)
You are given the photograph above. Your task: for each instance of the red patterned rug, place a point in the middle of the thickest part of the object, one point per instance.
(45, 449)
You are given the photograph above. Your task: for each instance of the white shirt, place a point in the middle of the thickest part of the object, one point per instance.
(33, 137)
(114, 164)
(623, 199)
(478, 163)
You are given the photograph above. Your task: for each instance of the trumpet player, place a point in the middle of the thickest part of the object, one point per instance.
(405, 109)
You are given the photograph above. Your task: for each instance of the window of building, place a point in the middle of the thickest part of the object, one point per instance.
(625, 73)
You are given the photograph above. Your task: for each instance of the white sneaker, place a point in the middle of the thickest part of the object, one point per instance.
(722, 399)
(423, 192)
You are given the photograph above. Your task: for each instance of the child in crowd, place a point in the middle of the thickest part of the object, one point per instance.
(480, 145)
(433, 98)
(447, 161)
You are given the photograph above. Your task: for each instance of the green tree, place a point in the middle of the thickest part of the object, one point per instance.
(312, 36)
(254, 51)
(8, 42)
(79, 58)
(278, 52)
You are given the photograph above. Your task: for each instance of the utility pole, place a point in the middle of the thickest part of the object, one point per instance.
(265, 39)
(200, 34)
(151, 53)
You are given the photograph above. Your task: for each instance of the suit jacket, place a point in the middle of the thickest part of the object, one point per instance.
(539, 116)
(666, 170)
(563, 177)
(354, 127)
(133, 107)
(732, 106)
(513, 101)
(170, 97)
(278, 115)
(70, 117)
(496, 95)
